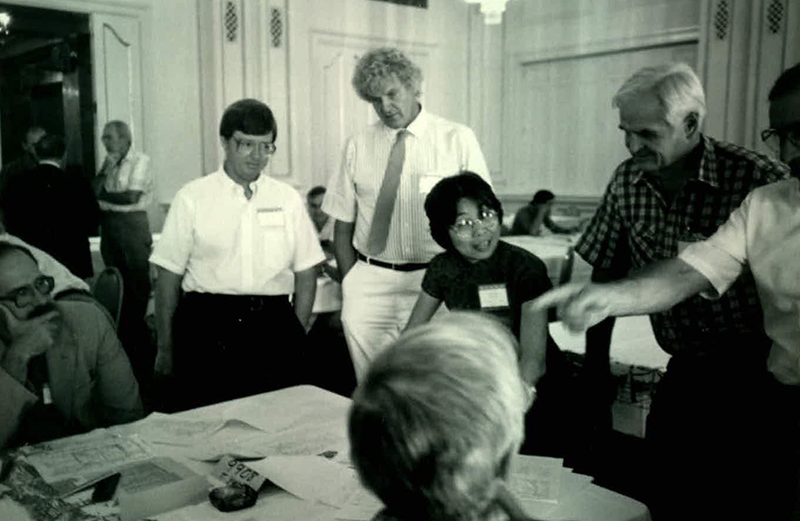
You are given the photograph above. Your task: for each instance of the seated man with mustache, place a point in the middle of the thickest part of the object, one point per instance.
(62, 369)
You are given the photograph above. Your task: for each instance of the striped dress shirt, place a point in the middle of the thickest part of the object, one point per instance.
(435, 148)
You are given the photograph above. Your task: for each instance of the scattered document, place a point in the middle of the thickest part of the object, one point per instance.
(167, 429)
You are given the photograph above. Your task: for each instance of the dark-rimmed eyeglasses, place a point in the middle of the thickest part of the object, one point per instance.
(26, 295)
(465, 227)
(773, 137)
(248, 146)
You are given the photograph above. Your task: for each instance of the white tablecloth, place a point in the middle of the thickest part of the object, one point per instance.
(323, 415)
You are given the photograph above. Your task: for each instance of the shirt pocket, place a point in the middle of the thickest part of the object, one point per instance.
(648, 243)
(277, 246)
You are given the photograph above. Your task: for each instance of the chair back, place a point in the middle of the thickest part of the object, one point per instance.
(107, 289)
(557, 254)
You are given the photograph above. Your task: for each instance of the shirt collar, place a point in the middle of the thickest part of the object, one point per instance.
(707, 172)
(233, 186)
(415, 128)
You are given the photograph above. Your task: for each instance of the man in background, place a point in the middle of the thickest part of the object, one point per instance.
(52, 209)
(28, 160)
(381, 238)
(677, 188)
(124, 188)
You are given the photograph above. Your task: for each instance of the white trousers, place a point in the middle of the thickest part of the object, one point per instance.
(376, 304)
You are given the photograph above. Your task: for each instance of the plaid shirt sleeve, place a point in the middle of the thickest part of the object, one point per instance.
(605, 237)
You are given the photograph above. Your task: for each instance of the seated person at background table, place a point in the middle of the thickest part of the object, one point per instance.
(433, 446)
(677, 188)
(237, 242)
(480, 272)
(62, 369)
(53, 209)
(530, 218)
(761, 236)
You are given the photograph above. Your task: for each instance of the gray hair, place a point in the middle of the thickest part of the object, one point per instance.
(675, 85)
(379, 65)
(434, 424)
(122, 129)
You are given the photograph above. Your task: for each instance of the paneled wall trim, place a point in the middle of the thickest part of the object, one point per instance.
(663, 38)
(245, 56)
(562, 63)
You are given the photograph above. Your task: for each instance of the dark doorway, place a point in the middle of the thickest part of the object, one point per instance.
(46, 81)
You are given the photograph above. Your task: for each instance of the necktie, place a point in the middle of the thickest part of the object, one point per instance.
(379, 230)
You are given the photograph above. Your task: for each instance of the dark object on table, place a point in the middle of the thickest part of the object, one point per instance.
(232, 497)
(105, 489)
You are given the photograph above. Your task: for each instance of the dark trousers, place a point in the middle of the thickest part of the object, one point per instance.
(125, 243)
(230, 346)
(710, 436)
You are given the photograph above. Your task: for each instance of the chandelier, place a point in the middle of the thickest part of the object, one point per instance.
(492, 10)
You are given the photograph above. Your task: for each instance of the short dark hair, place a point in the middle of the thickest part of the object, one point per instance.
(51, 146)
(317, 190)
(249, 116)
(441, 202)
(9, 247)
(787, 82)
(542, 196)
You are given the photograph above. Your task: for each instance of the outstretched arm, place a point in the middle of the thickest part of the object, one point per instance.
(656, 287)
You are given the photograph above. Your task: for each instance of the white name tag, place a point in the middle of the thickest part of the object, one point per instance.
(493, 296)
(270, 216)
(427, 182)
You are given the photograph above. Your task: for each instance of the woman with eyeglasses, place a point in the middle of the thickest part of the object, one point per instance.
(478, 272)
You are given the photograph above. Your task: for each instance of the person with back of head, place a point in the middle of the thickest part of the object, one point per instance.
(124, 189)
(760, 240)
(62, 370)
(381, 242)
(437, 420)
(235, 245)
(28, 160)
(52, 209)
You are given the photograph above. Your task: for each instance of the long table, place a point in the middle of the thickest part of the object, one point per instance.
(313, 421)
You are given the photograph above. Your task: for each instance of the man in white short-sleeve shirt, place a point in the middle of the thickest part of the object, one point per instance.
(382, 250)
(237, 243)
(762, 236)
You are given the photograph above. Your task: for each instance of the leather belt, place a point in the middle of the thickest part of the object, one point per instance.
(409, 266)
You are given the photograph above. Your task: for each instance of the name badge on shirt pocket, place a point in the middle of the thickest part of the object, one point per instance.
(268, 217)
(428, 181)
(493, 296)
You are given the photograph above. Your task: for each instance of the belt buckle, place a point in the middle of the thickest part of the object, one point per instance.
(256, 303)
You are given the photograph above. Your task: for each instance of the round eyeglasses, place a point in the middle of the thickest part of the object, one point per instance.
(773, 137)
(26, 295)
(465, 227)
(248, 146)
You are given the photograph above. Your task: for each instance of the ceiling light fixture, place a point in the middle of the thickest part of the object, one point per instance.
(492, 10)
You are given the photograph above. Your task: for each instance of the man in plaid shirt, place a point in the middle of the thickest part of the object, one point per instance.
(678, 187)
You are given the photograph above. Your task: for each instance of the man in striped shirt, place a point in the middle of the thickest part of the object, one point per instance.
(381, 238)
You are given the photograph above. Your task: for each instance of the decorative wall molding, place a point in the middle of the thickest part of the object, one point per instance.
(664, 38)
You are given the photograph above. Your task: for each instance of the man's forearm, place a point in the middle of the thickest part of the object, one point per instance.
(533, 344)
(343, 246)
(305, 290)
(654, 288)
(126, 197)
(168, 287)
